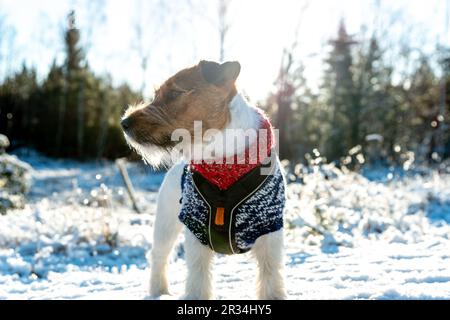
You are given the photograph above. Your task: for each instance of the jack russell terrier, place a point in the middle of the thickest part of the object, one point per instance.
(228, 193)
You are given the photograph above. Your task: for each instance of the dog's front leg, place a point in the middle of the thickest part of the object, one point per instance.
(166, 230)
(268, 250)
(198, 260)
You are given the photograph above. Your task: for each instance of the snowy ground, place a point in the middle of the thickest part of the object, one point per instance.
(381, 235)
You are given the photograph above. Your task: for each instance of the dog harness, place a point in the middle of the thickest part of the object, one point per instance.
(229, 221)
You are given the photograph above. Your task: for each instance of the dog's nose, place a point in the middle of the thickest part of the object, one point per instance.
(126, 123)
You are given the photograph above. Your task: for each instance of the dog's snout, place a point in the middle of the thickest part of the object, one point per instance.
(126, 123)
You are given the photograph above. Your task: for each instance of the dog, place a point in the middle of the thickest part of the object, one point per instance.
(226, 207)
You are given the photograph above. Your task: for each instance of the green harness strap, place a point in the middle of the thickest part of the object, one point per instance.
(222, 208)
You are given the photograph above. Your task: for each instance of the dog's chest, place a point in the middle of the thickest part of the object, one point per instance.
(229, 221)
(231, 169)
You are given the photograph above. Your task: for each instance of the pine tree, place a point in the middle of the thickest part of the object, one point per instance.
(51, 119)
(423, 102)
(444, 103)
(16, 96)
(283, 99)
(373, 95)
(308, 122)
(339, 88)
(71, 112)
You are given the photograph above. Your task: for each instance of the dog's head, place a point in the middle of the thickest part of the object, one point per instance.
(200, 93)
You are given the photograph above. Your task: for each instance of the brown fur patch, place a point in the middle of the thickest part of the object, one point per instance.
(184, 98)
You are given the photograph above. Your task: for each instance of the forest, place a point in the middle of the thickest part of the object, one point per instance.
(387, 109)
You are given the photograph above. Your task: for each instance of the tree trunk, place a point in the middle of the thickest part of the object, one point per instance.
(80, 119)
(103, 128)
(61, 118)
(284, 111)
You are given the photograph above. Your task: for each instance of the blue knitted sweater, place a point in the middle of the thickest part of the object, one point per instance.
(260, 212)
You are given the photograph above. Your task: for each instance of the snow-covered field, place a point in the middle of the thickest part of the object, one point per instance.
(381, 235)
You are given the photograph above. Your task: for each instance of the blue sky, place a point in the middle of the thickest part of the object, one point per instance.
(179, 33)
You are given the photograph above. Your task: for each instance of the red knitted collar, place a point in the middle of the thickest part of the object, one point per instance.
(225, 174)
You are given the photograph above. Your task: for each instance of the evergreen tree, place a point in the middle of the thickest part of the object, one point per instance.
(72, 105)
(309, 119)
(339, 90)
(444, 103)
(282, 98)
(51, 119)
(72, 113)
(422, 99)
(374, 96)
(16, 95)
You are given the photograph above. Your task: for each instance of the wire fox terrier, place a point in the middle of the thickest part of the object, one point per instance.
(227, 189)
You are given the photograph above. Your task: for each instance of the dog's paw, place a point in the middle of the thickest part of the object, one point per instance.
(187, 296)
(277, 297)
(273, 295)
(158, 293)
(158, 288)
(162, 297)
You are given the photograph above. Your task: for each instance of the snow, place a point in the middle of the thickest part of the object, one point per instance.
(383, 234)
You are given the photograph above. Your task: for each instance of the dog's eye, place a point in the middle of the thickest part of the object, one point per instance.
(173, 94)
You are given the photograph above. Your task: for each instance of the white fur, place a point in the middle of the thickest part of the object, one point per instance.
(198, 261)
(166, 229)
(152, 155)
(242, 116)
(268, 249)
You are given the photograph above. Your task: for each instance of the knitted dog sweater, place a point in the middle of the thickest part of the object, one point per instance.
(229, 221)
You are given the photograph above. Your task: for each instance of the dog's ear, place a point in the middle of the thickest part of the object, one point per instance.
(219, 74)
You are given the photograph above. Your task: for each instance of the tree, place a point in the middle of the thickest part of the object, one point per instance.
(444, 92)
(376, 110)
(71, 112)
(149, 22)
(423, 98)
(17, 113)
(7, 52)
(308, 123)
(51, 121)
(71, 107)
(283, 98)
(444, 103)
(224, 26)
(289, 81)
(339, 89)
